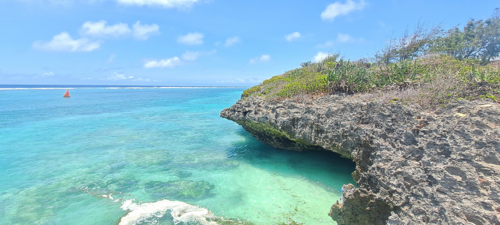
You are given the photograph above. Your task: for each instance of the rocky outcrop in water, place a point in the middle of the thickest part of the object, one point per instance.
(413, 166)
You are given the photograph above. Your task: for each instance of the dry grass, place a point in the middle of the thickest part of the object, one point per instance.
(495, 64)
(429, 81)
(440, 91)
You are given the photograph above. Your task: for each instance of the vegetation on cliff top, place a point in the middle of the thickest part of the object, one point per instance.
(429, 67)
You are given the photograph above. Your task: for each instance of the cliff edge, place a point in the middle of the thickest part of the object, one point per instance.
(412, 166)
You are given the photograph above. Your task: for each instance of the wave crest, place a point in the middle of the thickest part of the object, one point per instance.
(180, 211)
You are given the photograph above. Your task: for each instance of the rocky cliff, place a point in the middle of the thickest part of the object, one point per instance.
(413, 166)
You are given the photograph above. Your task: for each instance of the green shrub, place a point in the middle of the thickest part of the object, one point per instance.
(312, 84)
(349, 78)
(404, 71)
(275, 79)
(250, 91)
(306, 64)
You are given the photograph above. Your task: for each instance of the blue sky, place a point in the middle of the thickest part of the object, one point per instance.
(200, 42)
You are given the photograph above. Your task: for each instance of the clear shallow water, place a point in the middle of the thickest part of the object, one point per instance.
(61, 159)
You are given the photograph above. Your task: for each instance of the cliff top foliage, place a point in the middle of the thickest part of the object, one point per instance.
(429, 67)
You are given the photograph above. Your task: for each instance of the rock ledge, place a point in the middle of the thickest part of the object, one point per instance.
(412, 166)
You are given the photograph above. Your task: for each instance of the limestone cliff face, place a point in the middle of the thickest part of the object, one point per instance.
(413, 167)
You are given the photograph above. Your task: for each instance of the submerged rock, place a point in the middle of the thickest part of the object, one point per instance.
(182, 174)
(179, 189)
(412, 166)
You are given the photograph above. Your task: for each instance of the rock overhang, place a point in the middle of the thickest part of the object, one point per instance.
(405, 157)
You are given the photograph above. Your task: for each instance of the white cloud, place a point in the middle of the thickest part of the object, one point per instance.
(100, 29)
(111, 58)
(344, 38)
(241, 81)
(64, 43)
(262, 58)
(181, 4)
(47, 74)
(217, 43)
(122, 77)
(337, 9)
(191, 56)
(144, 79)
(326, 44)
(143, 32)
(232, 41)
(292, 36)
(170, 63)
(265, 58)
(341, 38)
(117, 76)
(191, 39)
(320, 56)
(163, 3)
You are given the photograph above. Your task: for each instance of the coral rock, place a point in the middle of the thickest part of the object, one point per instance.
(412, 166)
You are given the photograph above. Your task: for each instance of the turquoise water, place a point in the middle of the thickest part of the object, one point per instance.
(78, 160)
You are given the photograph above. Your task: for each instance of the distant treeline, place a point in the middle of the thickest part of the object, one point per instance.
(478, 39)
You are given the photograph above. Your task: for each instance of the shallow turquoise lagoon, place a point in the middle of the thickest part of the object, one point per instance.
(81, 160)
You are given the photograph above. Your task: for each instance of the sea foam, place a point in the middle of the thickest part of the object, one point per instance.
(7, 89)
(180, 211)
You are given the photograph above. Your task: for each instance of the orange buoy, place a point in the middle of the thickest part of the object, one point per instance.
(66, 95)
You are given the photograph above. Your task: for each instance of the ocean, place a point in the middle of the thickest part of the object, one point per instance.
(134, 155)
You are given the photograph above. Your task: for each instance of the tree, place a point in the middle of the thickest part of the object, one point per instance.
(409, 46)
(477, 40)
(491, 40)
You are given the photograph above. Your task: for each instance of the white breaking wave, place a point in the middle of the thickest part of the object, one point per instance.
(58, 88)
(5, 89)
(180, 211)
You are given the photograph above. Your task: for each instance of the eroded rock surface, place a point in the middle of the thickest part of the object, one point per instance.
(413, 166)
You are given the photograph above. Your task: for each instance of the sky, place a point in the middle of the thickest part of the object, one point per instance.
(201, 42)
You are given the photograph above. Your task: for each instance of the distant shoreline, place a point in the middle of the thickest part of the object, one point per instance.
(56, 87)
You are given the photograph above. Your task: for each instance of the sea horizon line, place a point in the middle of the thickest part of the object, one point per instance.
(69, 86)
